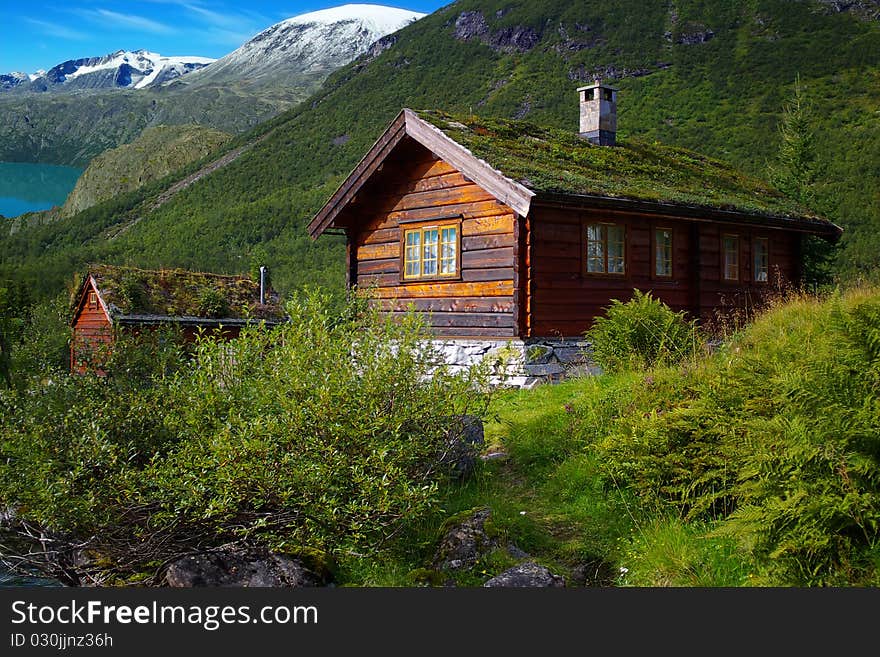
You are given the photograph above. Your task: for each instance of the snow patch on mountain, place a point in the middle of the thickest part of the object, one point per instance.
(313, 43)
(378, 18)
(149, 65)
(135, 69)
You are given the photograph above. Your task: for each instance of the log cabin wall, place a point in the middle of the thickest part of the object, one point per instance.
(718, 296)
(415, 188)
(563, 298)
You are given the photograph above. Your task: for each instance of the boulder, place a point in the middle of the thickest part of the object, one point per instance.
(240, 567)
(594, 572)
(465, 436)
(464, 542)
(528, 574)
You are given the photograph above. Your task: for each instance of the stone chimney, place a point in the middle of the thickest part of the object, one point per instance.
(599, 113)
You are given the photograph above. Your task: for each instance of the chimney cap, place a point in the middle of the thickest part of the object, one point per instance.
(598, 83)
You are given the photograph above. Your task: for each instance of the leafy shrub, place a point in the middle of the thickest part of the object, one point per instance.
(774, 438)
(326, 433)
(212, 303)
(132, 292)
(640, 333)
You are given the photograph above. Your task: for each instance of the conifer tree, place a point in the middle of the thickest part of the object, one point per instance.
(796, 172)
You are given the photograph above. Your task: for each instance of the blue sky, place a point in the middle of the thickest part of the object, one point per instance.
(39, 34)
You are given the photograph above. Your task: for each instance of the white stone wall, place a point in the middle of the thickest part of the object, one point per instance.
(520, 363)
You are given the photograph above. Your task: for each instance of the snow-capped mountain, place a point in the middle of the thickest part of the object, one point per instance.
(126, 69)
(313, 43)
(12, 80)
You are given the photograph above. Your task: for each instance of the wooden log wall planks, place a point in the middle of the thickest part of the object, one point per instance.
(414, 186)
(564, 299)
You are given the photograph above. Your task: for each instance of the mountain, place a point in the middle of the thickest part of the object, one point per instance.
(307, 46)
(158, 152)
(708, 75)
(137, 69)
(272, 72)
(12, 80)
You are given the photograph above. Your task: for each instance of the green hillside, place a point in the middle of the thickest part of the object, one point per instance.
(73, 128)
(709, 76)
(157, 153)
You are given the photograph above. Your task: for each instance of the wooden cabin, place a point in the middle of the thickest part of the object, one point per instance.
(114, 299)
(503, 230)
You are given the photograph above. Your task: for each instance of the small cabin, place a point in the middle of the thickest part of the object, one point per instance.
(507, 232)
(115, 299)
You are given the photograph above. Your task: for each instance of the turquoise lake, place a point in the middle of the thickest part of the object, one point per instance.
(26, 187)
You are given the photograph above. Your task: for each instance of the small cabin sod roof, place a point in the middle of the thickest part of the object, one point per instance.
(522, 163)
(141, 296)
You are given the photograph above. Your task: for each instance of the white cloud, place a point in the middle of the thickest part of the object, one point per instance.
(227, 28)
(58, 31)
(137, 22)
(114, 19)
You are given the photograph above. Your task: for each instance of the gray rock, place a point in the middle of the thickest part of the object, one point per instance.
(465, 542)
(241, 568)
(470, 25)
(550, 369)
(514, 551)
(594, 572)
(465, 436)
(528, 574)
(571, 355)
(539, 354)
(699, 36)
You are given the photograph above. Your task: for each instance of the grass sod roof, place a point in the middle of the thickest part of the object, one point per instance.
(180, 295)
(553, 162)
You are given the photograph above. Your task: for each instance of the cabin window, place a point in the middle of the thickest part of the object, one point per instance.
(730, 257)
(431, 251)
(663, 253)
(606, 249)
(93, 300)
(761, 259)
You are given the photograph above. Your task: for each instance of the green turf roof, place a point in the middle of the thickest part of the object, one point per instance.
(550, 161)
(180, 294)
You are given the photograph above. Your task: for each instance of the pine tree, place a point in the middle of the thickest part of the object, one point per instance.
(796, 172)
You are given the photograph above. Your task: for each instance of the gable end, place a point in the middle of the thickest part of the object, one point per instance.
(407, 124)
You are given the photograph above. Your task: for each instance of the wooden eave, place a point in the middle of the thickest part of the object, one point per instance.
(408, 124)
(820, 227)
(186, 320)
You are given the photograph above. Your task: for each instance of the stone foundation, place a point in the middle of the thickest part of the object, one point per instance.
(521, 363)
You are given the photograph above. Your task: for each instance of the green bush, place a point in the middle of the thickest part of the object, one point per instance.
(212, 303)
(641, 333)
(323, 434)
(774, 438)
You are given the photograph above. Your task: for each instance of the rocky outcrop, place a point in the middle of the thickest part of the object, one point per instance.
(380, 46)
(472, 25)
(865, 9)
(528, 574)
(465, 541)
(697, 36)
(240, 568)
(611, 72)
(574, 43)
